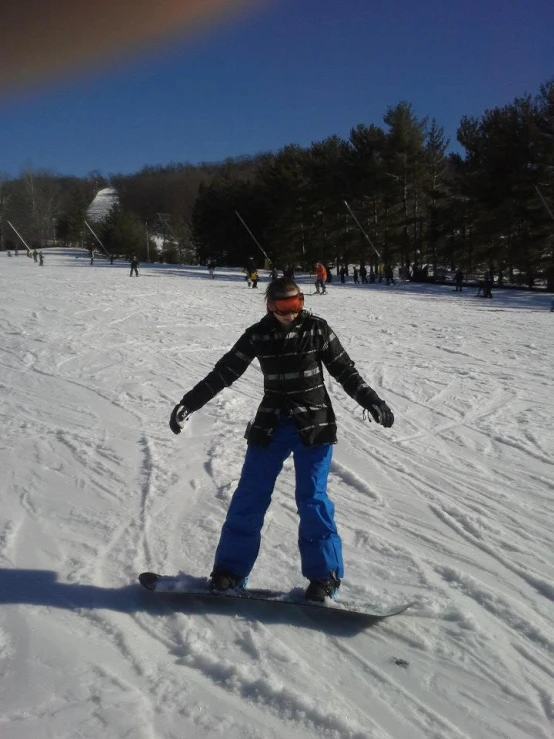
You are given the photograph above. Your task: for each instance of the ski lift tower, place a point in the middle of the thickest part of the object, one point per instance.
(164, 219)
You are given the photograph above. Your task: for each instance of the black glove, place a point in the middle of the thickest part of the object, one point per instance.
(178, 417)
(382, 414)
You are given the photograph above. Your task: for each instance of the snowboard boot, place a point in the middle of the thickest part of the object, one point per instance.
(318, 590)
(221, 581)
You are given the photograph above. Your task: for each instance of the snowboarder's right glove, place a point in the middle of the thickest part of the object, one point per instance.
(178, 417)
(381, 413)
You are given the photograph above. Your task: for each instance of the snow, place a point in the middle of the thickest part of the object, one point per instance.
(103, 202)
(451, 508)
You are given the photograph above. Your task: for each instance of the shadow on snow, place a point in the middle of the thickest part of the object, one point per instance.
(41, 588)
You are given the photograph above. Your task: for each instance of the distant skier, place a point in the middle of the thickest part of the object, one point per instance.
(274, 274)
(211, 269)
(487, 285)
(41, 259)
(459, 279)
(134, 266)
(91, 257)
(111, 258)
(389, 275)
(363, 274)
(355, 275)
(253, 277)
(343, 274)
(320, 278)
(295, 416)
(35, 255)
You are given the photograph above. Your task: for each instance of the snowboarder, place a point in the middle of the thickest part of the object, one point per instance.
(249, 267)
(320, 278)
(134, 266)
(295, 416)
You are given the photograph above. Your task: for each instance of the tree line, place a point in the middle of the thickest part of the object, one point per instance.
(420, 207)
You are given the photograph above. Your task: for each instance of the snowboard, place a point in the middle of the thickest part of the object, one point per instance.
(184, 586)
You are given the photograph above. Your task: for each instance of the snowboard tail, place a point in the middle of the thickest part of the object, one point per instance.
(199, 588)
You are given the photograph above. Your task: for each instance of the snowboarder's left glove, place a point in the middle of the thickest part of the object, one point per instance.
(382, 414)
(178, 417)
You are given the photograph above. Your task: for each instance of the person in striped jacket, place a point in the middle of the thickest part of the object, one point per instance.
(295, 417)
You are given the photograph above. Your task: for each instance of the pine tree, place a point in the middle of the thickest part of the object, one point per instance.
(122, 234)
(71, 223)
(405, 162)
(435, 188)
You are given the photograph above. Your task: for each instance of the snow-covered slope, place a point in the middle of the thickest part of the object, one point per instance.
(452, 508)
(103, 202)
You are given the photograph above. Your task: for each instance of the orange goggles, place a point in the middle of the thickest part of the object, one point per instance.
(284, 306)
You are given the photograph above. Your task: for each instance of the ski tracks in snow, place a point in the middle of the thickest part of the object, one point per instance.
(450, 508)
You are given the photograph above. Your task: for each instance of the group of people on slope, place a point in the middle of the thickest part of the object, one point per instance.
(361, 274)
(321, 274)
(38, 257)
(484, 288)
(134, 263)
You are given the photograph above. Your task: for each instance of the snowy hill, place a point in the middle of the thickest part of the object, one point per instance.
(102, 203)
(451, 508)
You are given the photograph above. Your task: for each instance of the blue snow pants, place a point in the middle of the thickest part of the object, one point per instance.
(318, 539)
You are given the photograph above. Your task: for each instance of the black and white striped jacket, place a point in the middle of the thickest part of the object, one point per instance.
(291, 362)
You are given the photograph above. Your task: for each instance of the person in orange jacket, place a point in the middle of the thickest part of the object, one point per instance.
(320, 278)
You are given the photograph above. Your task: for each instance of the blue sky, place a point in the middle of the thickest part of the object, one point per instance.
(294, 71)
